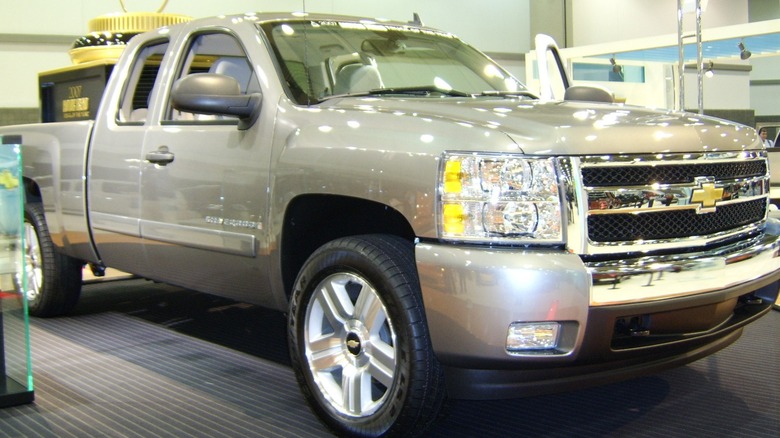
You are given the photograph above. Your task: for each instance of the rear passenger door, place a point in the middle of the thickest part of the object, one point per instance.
(203, 183)
(113, 183)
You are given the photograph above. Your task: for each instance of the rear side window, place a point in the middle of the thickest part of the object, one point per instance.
(142, 80)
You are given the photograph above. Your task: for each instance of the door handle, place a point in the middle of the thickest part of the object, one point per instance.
(161, 156)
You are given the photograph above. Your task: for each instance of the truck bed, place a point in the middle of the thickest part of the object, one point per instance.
(56, 152)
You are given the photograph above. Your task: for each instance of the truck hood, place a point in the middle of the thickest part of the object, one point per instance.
(570, 128)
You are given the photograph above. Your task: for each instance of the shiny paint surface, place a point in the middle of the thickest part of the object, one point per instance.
(54, 155)
(471, 295)
(563, 128)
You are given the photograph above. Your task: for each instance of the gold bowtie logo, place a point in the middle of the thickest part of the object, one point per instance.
(706, 196)
(353, 343)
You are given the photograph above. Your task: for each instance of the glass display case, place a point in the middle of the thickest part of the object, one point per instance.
(16, 384)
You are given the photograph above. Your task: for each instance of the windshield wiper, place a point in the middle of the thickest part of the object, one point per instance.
(423, 90)
(508, 94)
(427, 90)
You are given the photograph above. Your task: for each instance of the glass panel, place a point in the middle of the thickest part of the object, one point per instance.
(327, 58)
(16, 385)
(608, 73)
(218, 53)
(134, 105)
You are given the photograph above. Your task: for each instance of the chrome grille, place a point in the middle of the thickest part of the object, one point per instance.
(642, 202)
(673, 224)
(669, 174)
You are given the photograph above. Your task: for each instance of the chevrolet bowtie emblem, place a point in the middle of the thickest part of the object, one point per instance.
(353, 343)
(706, 196)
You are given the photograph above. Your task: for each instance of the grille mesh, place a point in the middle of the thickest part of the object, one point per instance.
(672, 224)
(669, 174)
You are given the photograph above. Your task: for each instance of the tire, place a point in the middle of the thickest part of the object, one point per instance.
(359, 341)
(53, 280)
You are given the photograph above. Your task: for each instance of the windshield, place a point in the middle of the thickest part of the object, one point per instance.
(320, 59)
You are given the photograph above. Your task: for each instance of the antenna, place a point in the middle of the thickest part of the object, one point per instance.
(416, 20)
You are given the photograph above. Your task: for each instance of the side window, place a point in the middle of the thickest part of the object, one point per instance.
(134, 103)
(218, 53)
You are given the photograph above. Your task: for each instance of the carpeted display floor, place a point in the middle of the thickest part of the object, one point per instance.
(139, 359)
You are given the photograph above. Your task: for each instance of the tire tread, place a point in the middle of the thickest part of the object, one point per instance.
(62, 275)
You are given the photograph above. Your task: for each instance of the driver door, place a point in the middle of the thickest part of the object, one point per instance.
(203, 185)
(553, 78)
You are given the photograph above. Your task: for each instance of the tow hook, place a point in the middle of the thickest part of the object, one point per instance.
(751, 299)
(640, 332)
(97, 270)
(636, 326)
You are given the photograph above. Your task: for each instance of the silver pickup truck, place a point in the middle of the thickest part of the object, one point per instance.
(432, 228)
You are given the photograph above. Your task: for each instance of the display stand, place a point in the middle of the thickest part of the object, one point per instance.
(16, 384)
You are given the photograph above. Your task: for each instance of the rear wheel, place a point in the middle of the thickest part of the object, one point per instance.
(359, 340)
(53, 280)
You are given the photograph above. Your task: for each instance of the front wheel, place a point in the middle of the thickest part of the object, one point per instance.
(359, 341)
(53, 280)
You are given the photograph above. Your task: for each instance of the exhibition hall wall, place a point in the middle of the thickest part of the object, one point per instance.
(35, 35)
(604, 21)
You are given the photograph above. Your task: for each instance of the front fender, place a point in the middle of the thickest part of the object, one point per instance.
(365, 152)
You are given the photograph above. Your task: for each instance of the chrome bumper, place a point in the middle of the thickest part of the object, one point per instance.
(655, 278)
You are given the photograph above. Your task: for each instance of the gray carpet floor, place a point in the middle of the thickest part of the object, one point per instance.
(139, 359)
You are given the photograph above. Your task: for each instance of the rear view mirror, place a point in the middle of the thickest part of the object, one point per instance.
(209, 93)
(588, 94)
(546, 46)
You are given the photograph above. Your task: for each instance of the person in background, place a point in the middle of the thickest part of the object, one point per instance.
(767, 143)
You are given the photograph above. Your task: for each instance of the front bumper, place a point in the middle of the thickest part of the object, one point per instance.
(618, 320)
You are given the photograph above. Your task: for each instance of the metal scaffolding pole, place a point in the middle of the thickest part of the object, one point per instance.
(681, 57)
(699, 60)
(681, 60)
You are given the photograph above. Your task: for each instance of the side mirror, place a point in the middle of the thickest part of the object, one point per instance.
(588, 94)
(209, 93)
(545, 45)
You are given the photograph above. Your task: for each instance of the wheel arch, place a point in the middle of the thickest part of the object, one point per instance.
(310, 221)
(32, 193)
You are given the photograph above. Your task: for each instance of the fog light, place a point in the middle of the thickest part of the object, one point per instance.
(524, 336)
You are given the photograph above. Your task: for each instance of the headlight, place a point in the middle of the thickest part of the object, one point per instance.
(499, 198)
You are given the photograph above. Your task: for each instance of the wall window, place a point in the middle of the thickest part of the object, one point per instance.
(605, 73)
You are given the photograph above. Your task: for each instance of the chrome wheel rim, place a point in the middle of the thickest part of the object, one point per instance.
(33, 264)
(350, 345)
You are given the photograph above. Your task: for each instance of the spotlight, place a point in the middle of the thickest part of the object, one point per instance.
(616, 68)
(744, 53)
(710, 71)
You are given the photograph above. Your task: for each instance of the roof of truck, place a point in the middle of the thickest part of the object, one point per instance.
(262, 17)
